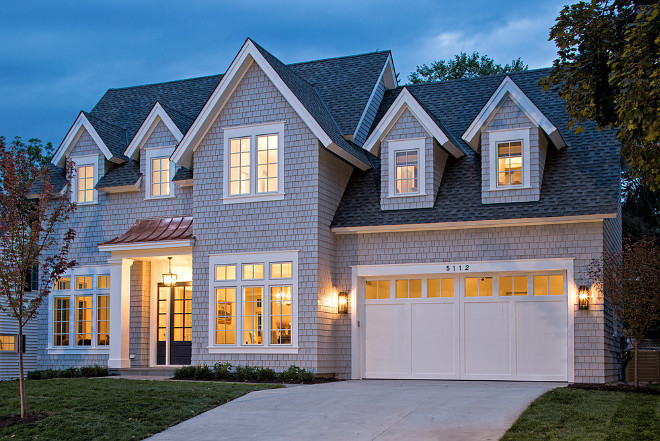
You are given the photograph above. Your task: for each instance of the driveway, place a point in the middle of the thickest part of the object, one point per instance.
(366, 410)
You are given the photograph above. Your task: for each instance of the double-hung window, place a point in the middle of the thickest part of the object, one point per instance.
(160, 171)
(509, 159)
(406, 167)
(85, 178)
(253, 165)
(253, 302)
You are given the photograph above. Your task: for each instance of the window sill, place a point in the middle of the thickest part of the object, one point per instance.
(80, 204)
(253, 198)
(251, 350)
(518, 187)
(405, 195)
(155, 198)
(78, 351)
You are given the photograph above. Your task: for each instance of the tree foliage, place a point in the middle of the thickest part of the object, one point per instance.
(640, 210)
(29, 236)
(607, 70)
(463, 66)
(630, 282)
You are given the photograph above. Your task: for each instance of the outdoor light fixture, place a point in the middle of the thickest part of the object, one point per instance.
(342, 302)
(583, 297)
(169, 278)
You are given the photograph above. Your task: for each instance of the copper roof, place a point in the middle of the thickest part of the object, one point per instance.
(155, 230)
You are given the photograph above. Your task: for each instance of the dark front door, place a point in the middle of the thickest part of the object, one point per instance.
(178, 329)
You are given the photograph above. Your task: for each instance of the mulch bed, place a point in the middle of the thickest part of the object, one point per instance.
(31, 417)
(616, 387)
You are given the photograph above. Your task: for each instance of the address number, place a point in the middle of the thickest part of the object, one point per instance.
(454, 268)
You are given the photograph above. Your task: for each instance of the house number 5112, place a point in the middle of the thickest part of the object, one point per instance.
(458, 267)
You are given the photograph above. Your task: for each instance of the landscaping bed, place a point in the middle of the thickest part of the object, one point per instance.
(618, 387)
(110, 409)
(248, 374)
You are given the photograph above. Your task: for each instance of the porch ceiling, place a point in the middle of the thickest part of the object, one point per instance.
(155, 230)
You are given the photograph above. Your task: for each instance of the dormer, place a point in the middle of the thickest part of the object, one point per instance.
(512, 135)
(413, 148)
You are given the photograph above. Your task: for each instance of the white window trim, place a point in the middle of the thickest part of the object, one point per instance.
(153, 153)
(79, 161)
(252, 131)
(398, 145)
(71, 294)
(239, 259)
(497, 136)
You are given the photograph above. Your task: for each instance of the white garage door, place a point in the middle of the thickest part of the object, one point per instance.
(491, 326)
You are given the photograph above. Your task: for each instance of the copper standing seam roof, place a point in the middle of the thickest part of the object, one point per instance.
(155, 230)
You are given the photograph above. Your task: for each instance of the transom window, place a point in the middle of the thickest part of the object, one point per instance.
(252, 271)
(83, 282)
(104, 281)
(407, 169)
(280, 270)
(160, 177)
(63, 283)
(253, 166)
(225, 272)
(509, 163)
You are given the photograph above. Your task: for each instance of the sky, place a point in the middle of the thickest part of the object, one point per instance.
(59, 57)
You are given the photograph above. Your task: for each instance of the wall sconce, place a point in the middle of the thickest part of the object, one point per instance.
(169, 278)
(342, 302)
(583, 297)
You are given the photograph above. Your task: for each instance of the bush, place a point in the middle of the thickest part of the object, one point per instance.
(294, 374)
(252, 374)
(185, 373)
(204, 373)
(223, 371)
(266, 375)
(245, 373)
(71, 372)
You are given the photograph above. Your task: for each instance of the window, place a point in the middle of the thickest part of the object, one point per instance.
(160, 171)
(103, 320)
(32, 279)
(83, 321)
(61, 321)
(86, 176)
(255, 310)
(549, 285)
(516, 286)
(103, 282)
(8, 343)
(83, 282)
(377, 289)
(509, 159)
(440, 287)
(406, 167)
(63, 283)
(408, 289)
(478, 286)
(254, 163)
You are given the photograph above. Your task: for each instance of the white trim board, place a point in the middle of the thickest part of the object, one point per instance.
(164, 244)
(509, 88)
(246, 56)
(74, 133)
(156, 115)
(404, 101)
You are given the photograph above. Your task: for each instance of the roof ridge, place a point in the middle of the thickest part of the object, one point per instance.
(88, 114)
(169, 108)
(167, 82)
(340, 57)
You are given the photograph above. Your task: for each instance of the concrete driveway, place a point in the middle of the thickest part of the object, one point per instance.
(367, 410)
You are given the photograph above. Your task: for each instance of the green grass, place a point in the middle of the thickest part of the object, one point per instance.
(111, 409)
(574, 414)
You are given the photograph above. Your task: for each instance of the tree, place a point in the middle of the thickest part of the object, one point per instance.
(607, 70)
(29, 236)
(630, 282)
(463, 66)
(640, 210)
(38, 153)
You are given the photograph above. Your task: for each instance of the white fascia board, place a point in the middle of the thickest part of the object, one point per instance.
(389, 69)
(184, 182)
(148, 245)
(82, 123)
(246, 56)
(400, 228)
(405, 100)
(508, 86)
(150, 122)
(122, 188)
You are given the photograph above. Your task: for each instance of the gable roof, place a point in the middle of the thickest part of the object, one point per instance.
(84, 123)
(564, 192)
(157, 114)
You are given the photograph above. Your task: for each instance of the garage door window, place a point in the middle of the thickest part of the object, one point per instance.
(377, 289)
(440, 287)
(513, 286)
(548, 285)
(478, 286)
(408, 289)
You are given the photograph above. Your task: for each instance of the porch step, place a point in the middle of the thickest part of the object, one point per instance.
(157, 372)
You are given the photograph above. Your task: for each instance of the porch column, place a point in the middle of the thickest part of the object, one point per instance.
(120, 306)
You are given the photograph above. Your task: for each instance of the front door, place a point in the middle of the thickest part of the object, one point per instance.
(174, 324)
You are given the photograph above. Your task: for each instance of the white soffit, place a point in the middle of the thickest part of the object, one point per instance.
(246, 56)
(510, 88)
(156, 115)
(404, 101)
(76, 130)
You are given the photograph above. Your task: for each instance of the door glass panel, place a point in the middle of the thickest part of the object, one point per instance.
(162, 313)
(415, 287)
(520, 286)
(377, 289)
(182, 314)
(401, 289)
(478, 286)
(556, 285)
(441, 287)
(383, 289)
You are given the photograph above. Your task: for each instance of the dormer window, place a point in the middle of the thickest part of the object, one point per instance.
(509, 159)
(406, 167)
(407, 172)
(86, 176)
(160, 171)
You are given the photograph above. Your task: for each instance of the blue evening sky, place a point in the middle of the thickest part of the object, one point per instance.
(59, 57)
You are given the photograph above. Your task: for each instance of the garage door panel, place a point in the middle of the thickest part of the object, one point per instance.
(487, 338)
(541, 337)
(434, 339)
(387, 341)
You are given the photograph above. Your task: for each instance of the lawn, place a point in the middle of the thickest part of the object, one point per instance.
(574, 414)
(111, 409)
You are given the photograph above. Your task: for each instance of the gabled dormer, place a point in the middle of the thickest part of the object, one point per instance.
(413, 148)
(512, 135)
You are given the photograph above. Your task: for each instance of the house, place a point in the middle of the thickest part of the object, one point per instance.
(319, 214)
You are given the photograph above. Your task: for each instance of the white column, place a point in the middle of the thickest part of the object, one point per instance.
(120, 306)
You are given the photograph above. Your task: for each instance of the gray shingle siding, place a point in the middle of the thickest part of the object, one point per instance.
(370, 114)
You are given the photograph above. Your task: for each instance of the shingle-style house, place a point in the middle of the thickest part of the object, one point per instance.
(236, 217)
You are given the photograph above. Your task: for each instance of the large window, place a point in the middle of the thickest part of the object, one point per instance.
(84, 180)
(253, 163)
(254, 301)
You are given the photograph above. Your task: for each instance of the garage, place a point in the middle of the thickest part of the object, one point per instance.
(485, 326)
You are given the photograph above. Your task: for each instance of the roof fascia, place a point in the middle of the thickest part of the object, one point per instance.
(76, 130)
(133, 246)
(404, 101)
(121, 188)
(388, 64)
(508, 86)
(246, 56)
(156, 114)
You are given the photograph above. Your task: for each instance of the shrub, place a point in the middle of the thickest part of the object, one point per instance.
(294, 374)
(245, 373)
(184, 373)
(87, 371)
(71, 372)
(101, 371)
(34, 375)
(49, 373)
(223, 371)
(266, 375)
(203, 373)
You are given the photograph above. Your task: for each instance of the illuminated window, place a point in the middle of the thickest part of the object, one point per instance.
(239, 166)
(549, 285)
(478, 286)
(377, 289)
(280, 270)
(225, 327)
(253, 315)
(408, 289)
(267, 163)
(103, 320)
(280, 315)
(516, 286)
(8, 343)
(63, 283)
(509, 163)
(252, 271)
(83, 282)
(440, 288)
(85, 184)
(225, 272)
(61, 321)
(103, 282)
(83, 321)
(406, 169)
(160, 177)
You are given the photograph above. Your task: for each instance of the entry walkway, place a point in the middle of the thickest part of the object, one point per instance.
(367, 410)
